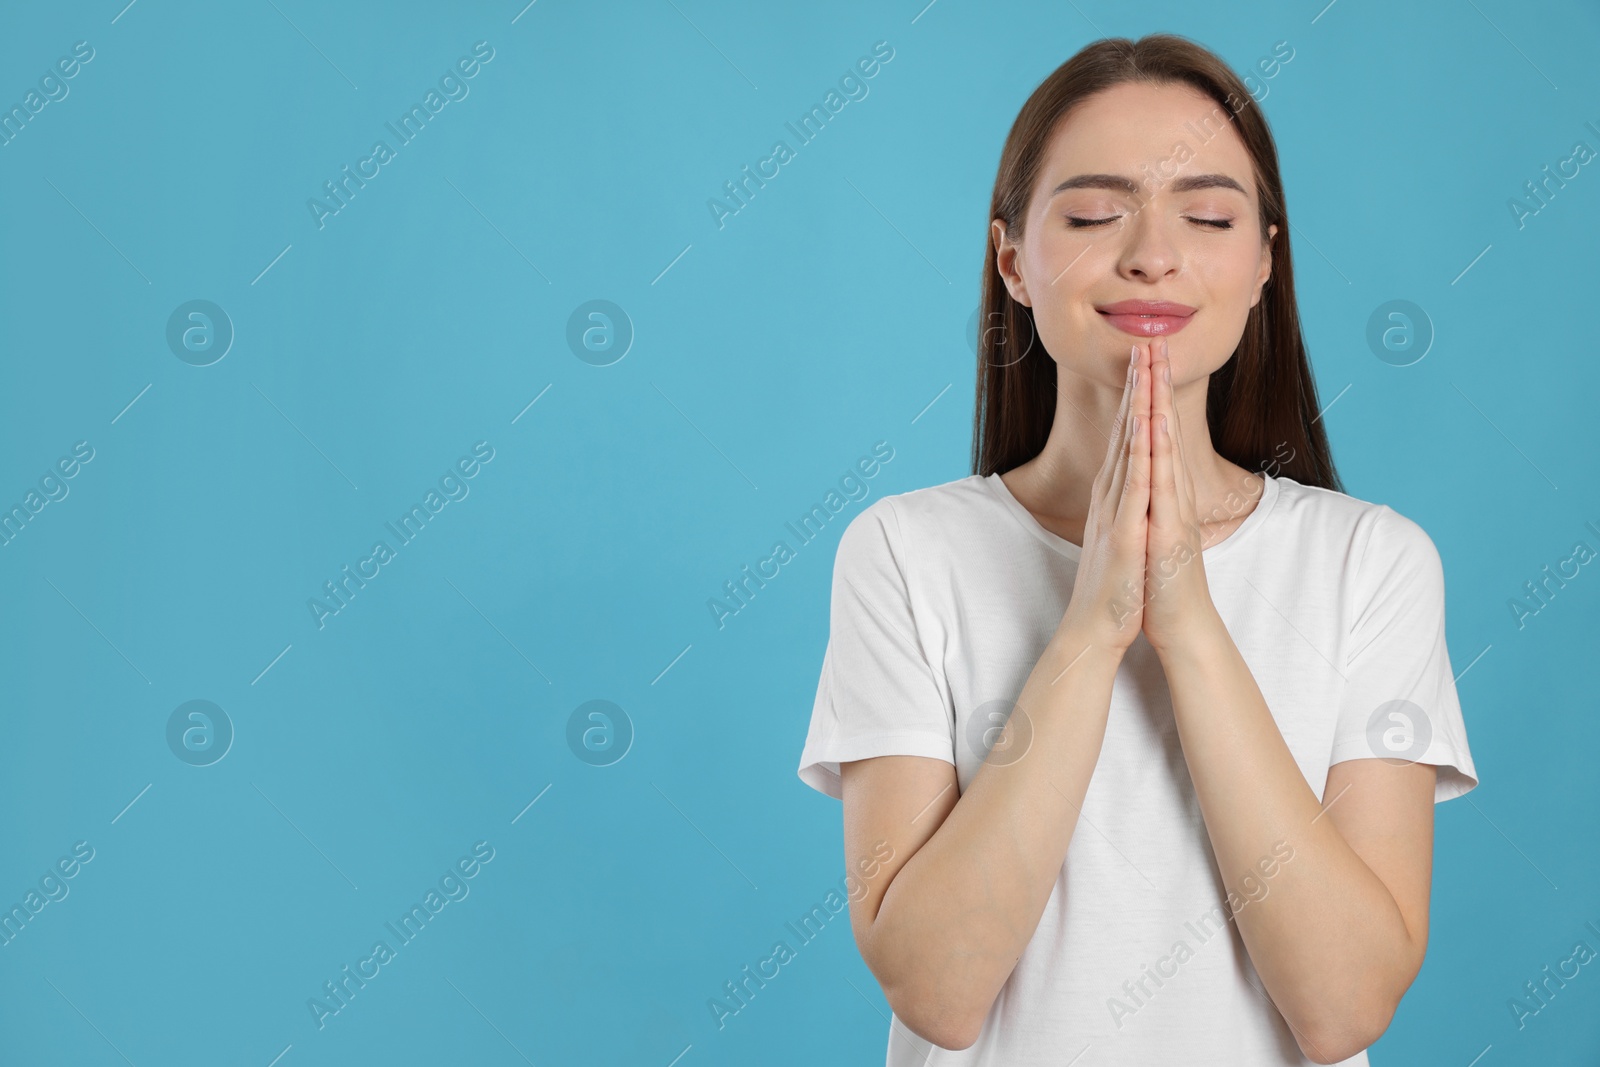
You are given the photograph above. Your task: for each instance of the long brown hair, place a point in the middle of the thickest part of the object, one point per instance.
(1260, 404)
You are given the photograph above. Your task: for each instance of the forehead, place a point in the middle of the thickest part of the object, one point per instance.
(1144, 131)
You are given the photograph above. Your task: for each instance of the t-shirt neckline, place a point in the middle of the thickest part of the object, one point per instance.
(1269, 496)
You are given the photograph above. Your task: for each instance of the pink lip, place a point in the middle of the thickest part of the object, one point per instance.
(1147, 318)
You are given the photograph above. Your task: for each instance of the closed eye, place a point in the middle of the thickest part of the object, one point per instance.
(1083, 224)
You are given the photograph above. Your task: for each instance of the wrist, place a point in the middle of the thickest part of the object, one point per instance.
(1079, 647)
(1202, 640)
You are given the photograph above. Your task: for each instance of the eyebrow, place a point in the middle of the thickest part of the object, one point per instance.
(1117, 183)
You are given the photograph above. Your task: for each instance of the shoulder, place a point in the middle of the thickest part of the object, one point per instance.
(1365, 521)
(919, 518)
(1376, 541)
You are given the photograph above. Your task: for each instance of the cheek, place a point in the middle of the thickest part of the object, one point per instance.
(1228, 282)
(1231, 271)
(1063, 272)
(1210, 343)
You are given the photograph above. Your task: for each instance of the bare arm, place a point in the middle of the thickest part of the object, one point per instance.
(943, 922)
(943, 926)
(1343, 927)
(1341, 931)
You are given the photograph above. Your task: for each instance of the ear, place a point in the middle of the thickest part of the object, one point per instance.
(1005, 261)
(1264, 270)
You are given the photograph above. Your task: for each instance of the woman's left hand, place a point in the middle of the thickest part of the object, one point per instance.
(1178, 601)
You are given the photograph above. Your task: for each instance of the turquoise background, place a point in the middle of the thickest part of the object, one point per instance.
(833, 312)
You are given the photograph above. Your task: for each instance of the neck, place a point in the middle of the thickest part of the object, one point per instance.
(1059, 479)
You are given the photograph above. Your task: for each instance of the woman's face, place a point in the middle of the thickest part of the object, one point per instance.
(1159, 204)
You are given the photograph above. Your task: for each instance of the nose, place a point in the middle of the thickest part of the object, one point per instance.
(1149, 251)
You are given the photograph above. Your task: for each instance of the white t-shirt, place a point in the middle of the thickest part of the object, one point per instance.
(943, 600)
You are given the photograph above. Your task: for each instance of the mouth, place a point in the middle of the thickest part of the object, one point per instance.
(1147, 318)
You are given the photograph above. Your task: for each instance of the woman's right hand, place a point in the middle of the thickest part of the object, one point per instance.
(1107, 606)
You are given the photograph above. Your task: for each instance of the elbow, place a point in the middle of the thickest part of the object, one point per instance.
(1347, 1022)
(935, 1023)
(1336, 1040)
(1331, 1048)
(928, 1003)
(1325, 1050)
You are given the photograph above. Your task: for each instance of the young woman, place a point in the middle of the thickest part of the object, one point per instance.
(1139, 727)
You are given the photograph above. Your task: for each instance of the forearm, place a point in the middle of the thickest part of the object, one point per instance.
(1326, 935)
(957, 917)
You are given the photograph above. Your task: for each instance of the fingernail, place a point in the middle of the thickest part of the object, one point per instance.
(1136, 378)
(1163, 347)
(1135, 357)
(1166, 372)
(1136, 424)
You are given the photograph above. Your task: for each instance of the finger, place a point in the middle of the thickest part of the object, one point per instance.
(1182, 478)
(1118, 443)
(1134, 494)
(1163, 485)
(1119, 472)
(1163, 491)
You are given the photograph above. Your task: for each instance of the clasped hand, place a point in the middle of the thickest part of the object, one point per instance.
(1141, 568)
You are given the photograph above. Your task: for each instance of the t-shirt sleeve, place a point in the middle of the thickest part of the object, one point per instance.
(877, 694)
(1400, 699)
